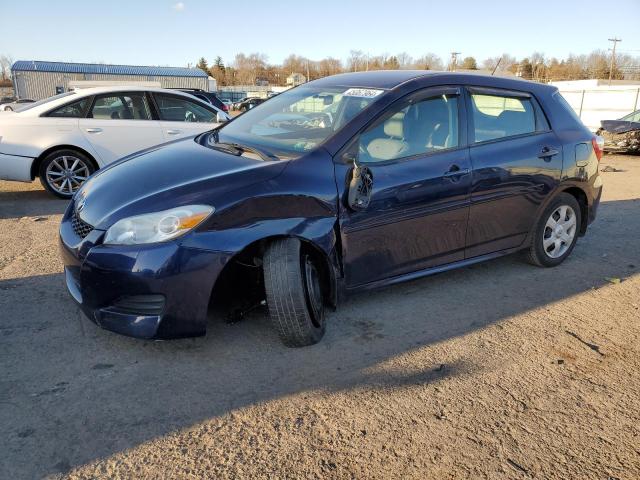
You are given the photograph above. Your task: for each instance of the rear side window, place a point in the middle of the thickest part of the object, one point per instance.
(179, 109)
(563, 101)
(76, 109)
(125, 106)
(496, 116)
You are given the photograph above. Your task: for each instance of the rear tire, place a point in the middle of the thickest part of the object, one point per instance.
(556, 232)
(63, 172)
(294, 293)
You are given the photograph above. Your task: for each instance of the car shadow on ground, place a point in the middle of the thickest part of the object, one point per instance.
(71, 393)
(30, 203)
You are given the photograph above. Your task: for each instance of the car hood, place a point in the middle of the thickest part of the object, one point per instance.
(179, 173)
(619, 126)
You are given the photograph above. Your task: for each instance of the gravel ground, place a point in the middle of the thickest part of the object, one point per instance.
(500, 370)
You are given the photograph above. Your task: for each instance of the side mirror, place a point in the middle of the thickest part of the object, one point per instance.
(222, 117)
(360, 188)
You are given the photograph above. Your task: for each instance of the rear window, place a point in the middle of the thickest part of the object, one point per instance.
(71, 110)
(46, 100)
(496, 116)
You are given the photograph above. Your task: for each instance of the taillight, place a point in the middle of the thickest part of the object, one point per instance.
(598, 145)
(225, 107)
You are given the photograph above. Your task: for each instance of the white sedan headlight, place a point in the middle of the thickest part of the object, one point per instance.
(158, 226)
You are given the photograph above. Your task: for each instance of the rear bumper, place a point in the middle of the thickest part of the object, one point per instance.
(150, 291)
(13, 167)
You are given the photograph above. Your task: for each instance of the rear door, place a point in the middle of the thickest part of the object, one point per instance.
(517, 162)
(419, 202)
(120, 123)
(182, 117)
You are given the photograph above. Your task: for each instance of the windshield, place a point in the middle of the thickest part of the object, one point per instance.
(29, 106)
(296, 121)
(632, 117)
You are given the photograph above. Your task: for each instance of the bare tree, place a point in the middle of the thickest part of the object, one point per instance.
(248, 68)
(356, 60)
(5, 66)
(429, 61)
(404, 60)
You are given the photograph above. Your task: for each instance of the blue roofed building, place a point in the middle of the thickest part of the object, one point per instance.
(37, 79)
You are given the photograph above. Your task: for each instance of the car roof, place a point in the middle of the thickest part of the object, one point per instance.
(390, 79)
(85, 92)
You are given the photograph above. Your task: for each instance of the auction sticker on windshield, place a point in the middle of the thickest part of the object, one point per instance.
(362, 92)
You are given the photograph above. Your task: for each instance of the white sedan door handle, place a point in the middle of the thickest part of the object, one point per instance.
(174, 132)
(94, 130)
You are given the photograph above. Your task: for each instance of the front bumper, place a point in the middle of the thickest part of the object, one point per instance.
(110, 283)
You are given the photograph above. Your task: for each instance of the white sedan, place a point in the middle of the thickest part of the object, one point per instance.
(64, 139)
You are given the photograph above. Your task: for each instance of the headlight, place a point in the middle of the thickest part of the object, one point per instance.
(157, 227)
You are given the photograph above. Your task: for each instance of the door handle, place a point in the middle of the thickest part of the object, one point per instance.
(93, 130)
(455, 171)
(547, 152)
(174, 132)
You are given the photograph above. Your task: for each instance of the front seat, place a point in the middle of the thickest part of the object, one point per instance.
(427, 127)
(394, 145)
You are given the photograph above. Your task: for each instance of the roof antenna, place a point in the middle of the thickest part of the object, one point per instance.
(496, 67)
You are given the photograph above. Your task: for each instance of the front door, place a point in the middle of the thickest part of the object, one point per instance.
(120, 123)
(517, 162)
(181, 117)
(419, 202)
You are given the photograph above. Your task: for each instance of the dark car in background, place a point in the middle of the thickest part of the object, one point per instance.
(622, 135)
(208, 97)
(247, 103)
(341, 185)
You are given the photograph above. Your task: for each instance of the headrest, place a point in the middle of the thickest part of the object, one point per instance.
(393, 126)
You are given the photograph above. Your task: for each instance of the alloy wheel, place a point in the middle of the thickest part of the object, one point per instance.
(65, 174)
(559, 231)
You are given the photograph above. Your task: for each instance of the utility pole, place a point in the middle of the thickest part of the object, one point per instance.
(454, 60)
(615, 41)
(307, 69)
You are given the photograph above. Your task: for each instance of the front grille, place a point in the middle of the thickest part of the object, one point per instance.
(82, 229)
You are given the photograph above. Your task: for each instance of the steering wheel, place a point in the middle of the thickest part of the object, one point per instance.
(320, 120)
(189, 116)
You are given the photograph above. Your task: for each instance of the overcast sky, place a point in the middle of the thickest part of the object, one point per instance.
(157, 32)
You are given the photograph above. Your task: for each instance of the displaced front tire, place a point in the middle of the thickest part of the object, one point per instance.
(294, 293)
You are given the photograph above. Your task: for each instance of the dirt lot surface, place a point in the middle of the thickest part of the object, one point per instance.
(500, 370)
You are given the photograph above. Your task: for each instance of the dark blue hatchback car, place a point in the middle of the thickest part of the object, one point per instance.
(346, 183)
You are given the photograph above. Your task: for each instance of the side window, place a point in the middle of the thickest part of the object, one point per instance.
(496, 116)
(75, 109)
(177, 109)
(413, 128)
(124, 106)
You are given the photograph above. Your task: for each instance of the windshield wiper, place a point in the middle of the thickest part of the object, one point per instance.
(238, 149)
